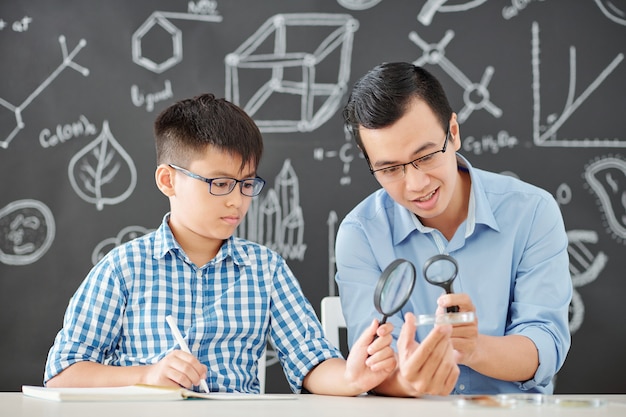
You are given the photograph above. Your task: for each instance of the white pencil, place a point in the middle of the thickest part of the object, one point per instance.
(183, 345)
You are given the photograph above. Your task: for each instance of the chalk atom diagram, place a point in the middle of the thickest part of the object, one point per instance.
(204, 11)
(67, 62)
(475, 95)
(280, 62)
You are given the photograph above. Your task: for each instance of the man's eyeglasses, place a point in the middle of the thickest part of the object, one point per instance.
(423, 163)
(249, 187)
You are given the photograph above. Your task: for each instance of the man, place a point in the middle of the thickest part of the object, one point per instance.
(507, 237)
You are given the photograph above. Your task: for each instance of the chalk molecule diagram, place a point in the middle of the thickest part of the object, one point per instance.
(476, 95)
(67, 62)
(203, 11)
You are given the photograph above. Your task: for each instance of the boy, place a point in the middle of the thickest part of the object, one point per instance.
(227, 295)
(507, 236)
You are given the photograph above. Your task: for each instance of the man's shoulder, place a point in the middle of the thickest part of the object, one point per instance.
(372, 205)
(505, 183)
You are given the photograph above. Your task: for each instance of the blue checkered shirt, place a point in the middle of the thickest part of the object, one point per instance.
(227, 310)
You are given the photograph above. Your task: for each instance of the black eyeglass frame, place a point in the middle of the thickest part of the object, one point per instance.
(209, 181)
(414, 162)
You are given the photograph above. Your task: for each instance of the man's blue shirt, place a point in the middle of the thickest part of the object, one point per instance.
(513, 263)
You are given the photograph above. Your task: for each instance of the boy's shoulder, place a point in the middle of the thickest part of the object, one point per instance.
(253, 249)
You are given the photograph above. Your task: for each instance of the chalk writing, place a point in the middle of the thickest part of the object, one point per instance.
(140, 98)
(63, 133)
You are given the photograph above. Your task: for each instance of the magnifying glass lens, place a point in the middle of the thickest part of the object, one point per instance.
(397, 288)
(440, 271)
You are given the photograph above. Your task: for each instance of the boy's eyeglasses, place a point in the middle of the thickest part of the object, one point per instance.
(423, 163)
(249, 187)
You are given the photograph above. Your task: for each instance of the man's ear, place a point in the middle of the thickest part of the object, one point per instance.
(165, 179)
(455, 132)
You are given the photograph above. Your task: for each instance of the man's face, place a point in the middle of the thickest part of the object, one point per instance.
(427, 193)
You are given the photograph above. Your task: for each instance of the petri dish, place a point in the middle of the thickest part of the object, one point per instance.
(525, 399)
(574, 402)
(487, 401)
(447, 318)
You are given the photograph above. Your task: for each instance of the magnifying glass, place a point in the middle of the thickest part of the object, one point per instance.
(441, 270)
(394, 288)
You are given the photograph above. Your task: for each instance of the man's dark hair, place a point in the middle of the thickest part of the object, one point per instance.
(383, 95)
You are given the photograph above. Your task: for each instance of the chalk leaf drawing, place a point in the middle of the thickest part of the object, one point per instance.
(94, 170)
(27, 230)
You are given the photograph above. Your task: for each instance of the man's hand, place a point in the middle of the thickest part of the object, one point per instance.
(428, 367)
(465, 335)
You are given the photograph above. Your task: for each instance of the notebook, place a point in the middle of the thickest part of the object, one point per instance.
(139, 393)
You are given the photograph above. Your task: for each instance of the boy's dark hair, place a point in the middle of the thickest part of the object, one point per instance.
(184, 130)
(383, 94)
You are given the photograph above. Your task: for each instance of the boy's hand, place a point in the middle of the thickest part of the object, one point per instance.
(371, 360)
(178, 368)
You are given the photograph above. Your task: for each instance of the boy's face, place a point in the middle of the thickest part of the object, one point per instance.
(429, 193)
(199, 218)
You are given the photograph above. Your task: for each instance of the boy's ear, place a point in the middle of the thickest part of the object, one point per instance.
(164, 179)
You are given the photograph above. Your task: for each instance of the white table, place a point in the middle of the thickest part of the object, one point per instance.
(14, 404)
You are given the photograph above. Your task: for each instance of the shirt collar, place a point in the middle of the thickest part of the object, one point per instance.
(164, 242)
(478, 212)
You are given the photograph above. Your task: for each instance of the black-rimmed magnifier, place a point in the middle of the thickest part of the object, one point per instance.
(394, 288)
(441, 270)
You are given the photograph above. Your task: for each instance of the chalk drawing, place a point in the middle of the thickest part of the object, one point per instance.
(612, 10)
(94, 168)
(203, 11)
(476, 95)
(358, 4)
(585, 266)
(27, 229)
(431, 7)
(276, 220)
(346, 155)
(332, 223)
(606, 177)
(125, 235)
(546, 135)
(66, 63)
(280, 61)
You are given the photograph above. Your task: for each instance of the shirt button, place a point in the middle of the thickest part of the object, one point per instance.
(199, 273)
(462, 387)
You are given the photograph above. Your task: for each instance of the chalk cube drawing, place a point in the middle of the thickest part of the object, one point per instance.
(292, 73)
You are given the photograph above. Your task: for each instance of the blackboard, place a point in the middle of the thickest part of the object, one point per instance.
(539, 86)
